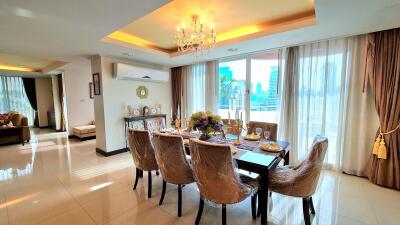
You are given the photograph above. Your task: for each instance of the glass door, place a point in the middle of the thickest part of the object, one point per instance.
(232, 89)
(248, 87)
(263, 88)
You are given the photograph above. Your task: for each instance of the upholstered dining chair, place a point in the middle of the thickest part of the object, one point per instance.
(154, 124)
(143, 155)
(217, 179)
(301, 180)
(233, 123)
(173, 163)
(271, 127)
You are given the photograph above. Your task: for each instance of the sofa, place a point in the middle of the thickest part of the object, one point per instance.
(85, 131)
(18, 120)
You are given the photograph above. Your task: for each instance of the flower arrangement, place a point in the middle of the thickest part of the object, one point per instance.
(206, 122)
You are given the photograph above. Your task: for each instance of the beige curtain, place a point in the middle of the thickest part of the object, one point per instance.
(362, 118)
(384, 76)
(212, 86)
(200, 88)
(287, 128)
(321, 94)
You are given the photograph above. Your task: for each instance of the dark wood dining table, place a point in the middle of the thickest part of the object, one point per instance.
(251, 158)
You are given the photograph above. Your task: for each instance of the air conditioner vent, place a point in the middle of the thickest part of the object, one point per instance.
(130, 72)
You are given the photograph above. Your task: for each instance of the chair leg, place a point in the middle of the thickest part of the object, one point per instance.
(136, 178)
(149, 185)
(306, 211)
(223, 214)
(200, 211)
(254, 206)
(164, 186)
(312, 209)
(179, 200)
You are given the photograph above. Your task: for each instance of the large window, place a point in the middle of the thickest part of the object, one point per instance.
(13, 97)
(249, 86)
(232, 87)
(264, 87)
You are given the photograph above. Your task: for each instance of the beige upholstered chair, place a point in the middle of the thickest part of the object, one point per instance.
(154, 124)
(301, 180)
(216, 178)
(233, 129)
(271, 127)
(173, 164)
(143, 154)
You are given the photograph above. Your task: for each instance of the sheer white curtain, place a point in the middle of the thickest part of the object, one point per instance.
(13, 97)
(362, 119)
(200, 88)
(318, 76)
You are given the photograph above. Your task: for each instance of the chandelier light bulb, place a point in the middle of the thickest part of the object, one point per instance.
(197, 39)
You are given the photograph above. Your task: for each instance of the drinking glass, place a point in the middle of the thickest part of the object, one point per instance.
(266, 135)
(258, 131)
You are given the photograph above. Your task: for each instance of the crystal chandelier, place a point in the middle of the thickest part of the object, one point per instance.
(196, 40)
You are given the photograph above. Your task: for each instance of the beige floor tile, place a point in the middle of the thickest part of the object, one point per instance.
(39, 206)
(54, 180)
(144, 213)
(75, 216)
(88, 190)
(387, 214)
(106, 207)
(3, 214)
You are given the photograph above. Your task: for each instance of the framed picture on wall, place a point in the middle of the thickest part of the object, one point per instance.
(91, 90)
(96, 84)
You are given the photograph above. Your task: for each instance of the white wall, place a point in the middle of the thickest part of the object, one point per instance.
(77, 75)
(56, 100)
(44, 96)
(116, 95)
(99, 108)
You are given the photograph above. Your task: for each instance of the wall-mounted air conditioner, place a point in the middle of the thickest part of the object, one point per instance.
(130, 72)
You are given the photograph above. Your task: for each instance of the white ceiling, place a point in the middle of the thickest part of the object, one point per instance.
(61, 30)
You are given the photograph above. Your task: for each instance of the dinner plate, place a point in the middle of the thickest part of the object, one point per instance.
(252, 137)
(270, 146)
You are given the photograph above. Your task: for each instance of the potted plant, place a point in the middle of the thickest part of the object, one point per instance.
(206, 123)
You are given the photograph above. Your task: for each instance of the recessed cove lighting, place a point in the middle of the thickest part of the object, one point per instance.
(23, 12)
(232, 49)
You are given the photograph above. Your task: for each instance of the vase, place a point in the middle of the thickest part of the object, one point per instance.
(204, 136)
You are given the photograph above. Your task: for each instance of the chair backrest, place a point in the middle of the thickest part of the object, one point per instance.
(154, 124)
(234, 125)
(141, 149)
(271, 127)
(171, 158)
(309, 170)
(215, 174)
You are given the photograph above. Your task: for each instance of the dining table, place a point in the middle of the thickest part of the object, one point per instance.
(250, 157)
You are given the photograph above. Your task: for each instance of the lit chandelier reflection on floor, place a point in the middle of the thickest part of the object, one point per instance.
(196, 40)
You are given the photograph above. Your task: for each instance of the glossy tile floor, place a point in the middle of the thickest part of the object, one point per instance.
(55, 181)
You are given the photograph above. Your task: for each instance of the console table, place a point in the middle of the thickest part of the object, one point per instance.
(130, 120)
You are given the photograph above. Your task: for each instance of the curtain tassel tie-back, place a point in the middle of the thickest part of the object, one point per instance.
(376, 145)
(380, 149)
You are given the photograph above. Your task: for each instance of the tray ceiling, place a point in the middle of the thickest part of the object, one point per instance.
(234, 21)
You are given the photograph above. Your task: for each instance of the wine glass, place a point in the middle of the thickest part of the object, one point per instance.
(258, 131)
(267, 135)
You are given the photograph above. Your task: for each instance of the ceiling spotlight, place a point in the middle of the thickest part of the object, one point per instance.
(232, 49)
(127, 54)
(23, 12)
